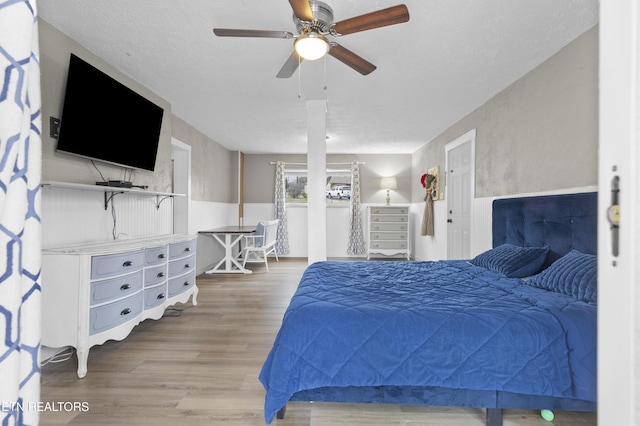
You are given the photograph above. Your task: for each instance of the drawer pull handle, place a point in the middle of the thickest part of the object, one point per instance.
(186, 283)
(161, 296)
(127, 263)
(160, 274)
(187, 265)
(187, 249)
(125, 286)
(161, 256)
(126, 311)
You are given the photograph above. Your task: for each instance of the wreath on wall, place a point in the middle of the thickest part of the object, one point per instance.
(427, 181)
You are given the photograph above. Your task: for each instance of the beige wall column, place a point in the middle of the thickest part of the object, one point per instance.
(316, 180)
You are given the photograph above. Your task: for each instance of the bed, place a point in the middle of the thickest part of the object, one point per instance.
(514, 327)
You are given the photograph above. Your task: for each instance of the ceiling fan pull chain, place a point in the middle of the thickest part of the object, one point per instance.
(299, 76)
(325, 73)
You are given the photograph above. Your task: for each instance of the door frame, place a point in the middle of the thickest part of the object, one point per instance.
(618, 275)
(181, 181)
(469, 137)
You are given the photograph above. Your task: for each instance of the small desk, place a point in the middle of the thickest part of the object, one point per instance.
(232, 236)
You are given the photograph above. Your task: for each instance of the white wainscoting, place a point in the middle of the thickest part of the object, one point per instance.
(435, 248)
(207, 215)
(429, 247)
(75, 217)
(337, 227)
(72, 216)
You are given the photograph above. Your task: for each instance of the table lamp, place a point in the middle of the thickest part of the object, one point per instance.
(388, 183)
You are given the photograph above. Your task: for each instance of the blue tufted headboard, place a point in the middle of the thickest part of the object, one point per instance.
(563, 222)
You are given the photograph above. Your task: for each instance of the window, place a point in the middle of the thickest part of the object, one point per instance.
(295, 186)
(338, 188)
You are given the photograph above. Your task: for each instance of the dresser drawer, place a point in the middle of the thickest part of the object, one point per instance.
(104, 317)
(177, 250)
(155, 275)
(115, 264)
(402, 236)
(389, 245)
(389, 218)
(115, 288)
(155, 296)
(378, 226)
(183, 283)
(155, 256)
(390, 210)
(179, 267)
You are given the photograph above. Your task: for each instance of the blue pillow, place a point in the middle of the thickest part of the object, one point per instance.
(574, 274)
(259, 235)
(512, 261)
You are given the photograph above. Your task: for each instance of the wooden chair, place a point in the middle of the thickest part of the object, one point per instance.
(259, 245)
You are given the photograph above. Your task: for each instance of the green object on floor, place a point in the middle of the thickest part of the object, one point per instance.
(547, 415)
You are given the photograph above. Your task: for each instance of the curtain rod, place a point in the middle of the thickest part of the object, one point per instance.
(328, 164)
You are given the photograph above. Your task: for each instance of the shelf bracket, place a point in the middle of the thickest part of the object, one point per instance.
(159, 200)
(108, 198)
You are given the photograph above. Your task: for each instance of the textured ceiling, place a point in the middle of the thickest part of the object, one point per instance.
(450, 58)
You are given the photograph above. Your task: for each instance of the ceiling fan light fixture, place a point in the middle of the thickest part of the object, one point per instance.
(311, 46)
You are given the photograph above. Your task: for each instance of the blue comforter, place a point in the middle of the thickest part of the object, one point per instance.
(447, 324)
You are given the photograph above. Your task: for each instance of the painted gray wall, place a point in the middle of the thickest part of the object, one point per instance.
(55, 49)
(214, 169)
(260, 174)
(213, 174)
(539, 134)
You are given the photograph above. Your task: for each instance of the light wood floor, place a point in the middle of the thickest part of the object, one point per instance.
(202, 368)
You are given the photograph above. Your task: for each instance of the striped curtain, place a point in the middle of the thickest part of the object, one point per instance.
(20, 233)
(280, 210)
(356, 237)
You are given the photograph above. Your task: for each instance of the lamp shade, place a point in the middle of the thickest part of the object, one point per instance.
(311, 46)
(388, 183)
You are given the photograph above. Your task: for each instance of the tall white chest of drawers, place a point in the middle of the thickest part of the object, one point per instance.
(389, 232)
(98, 292)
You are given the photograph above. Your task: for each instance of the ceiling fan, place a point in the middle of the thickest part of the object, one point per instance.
(314, 22)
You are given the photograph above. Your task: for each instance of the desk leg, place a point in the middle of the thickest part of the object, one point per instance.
(227, 263)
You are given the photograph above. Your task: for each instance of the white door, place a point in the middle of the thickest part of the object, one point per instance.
(619, 158)
(459, 195)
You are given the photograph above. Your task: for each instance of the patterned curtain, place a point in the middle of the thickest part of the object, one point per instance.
(356, 236)
(20, 232)
(280, 210)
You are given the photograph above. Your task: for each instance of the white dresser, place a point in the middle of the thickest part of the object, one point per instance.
(97, 292)
(389, 231)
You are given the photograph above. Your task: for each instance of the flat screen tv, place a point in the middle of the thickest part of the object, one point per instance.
(104, 120)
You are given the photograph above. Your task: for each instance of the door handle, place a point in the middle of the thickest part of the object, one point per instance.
(449, 220)
(613, 215)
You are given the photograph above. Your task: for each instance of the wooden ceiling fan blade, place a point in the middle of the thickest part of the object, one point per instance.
(290, 66)
(381, 18)
(302, 9)
(350, 59)
(228, 32)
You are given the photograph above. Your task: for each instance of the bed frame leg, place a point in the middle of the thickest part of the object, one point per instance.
(281, 412)
(494, 417)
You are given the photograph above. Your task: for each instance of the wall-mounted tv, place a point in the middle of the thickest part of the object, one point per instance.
(104, 120)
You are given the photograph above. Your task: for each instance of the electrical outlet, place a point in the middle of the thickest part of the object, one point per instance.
(54, 127)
